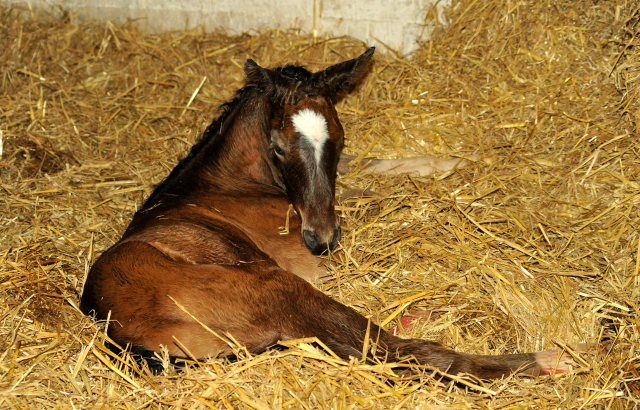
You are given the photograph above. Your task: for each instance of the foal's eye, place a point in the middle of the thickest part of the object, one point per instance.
(279, 151)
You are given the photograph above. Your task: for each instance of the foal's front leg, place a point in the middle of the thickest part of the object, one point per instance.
(423, 166)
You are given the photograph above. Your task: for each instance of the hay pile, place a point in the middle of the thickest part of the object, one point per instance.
(533, 247)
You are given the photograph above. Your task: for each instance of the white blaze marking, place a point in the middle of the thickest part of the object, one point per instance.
(313, 127)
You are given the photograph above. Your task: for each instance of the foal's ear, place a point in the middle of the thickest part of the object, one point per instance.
(256, 74)
(343, 78)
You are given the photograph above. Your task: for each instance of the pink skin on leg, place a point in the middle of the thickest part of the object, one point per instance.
(558, 361)
(406, 322)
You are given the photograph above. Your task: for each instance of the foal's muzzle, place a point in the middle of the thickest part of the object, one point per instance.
(316, 246)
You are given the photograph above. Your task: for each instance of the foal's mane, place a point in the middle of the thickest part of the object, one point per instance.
(210, 136)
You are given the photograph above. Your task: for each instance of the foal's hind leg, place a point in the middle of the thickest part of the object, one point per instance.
(424, 166)
(154, 301)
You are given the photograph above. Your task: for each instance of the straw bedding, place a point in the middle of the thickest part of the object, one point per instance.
(531, 246)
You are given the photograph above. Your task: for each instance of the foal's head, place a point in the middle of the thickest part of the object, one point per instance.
(306, 138)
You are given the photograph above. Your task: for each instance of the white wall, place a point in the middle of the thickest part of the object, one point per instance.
(397, 23)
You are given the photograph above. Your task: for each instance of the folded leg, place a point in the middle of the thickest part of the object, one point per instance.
(423, 166)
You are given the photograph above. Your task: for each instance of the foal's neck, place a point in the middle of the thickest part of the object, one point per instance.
(239, 158)
(231, 157)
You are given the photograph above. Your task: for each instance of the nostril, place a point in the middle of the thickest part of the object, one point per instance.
(311, 239)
